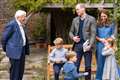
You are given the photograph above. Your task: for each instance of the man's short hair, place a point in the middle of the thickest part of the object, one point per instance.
(20, 13)
(58, 40)
(80, 5)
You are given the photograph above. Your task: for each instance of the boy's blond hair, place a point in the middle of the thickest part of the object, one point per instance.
(70, 55)
(58, 40)
(114, 45)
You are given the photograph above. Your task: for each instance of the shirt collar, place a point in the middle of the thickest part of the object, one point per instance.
(18, 22)
(83, 17)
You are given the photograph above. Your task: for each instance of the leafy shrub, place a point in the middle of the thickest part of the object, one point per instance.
(39, 29)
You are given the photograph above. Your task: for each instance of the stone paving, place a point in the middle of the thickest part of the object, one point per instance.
(35, 68)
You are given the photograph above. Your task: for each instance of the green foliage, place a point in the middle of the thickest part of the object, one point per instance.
(36, 5)
(82, 1)
(70, 2)
(117, 18)
(109, 1)
(117, 13)
(29, 5)
(118, 51)
(55, 1)
(39, 28)
(95, 1)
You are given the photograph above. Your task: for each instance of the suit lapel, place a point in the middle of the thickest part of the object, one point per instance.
(77, 25)
(18, 29)
(84, 25)
(85, 22)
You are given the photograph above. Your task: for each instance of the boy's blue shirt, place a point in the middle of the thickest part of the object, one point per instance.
(70, 71)
(58, 54)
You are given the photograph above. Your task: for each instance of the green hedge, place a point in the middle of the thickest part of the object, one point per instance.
(117, 17)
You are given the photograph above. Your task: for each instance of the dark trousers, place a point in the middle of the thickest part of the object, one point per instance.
(17, 68)
(57, 68)
(87, 58)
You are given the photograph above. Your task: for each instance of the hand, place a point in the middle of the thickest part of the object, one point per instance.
(88, 48)
(103, 40)
(85, 73)
(76, 39)
(58, 61)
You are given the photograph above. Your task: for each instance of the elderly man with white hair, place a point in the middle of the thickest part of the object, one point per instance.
(15, 44)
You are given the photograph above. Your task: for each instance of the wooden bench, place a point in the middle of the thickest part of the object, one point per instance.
(38, 44)
(69, 47)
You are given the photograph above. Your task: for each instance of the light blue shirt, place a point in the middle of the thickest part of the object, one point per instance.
(70, 71)
(22, 32)
(58, 54)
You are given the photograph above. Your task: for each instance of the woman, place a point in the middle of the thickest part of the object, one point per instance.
(106, 31)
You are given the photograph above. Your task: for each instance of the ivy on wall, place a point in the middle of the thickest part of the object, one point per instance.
(117, 18)
(38, 27)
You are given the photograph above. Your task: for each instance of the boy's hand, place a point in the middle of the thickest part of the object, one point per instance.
(85, 73)
(58, 61)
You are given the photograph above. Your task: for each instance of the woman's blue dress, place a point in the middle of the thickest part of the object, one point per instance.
(102, 32)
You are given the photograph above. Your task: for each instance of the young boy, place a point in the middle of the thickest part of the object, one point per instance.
(58, 57)
(69, 68)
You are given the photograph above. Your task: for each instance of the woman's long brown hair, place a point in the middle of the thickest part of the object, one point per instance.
(99, 17)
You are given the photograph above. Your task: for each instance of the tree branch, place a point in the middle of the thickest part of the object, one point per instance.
(28, 17)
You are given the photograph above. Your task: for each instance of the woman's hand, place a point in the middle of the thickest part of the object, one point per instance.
(100, 39)
(103, 40)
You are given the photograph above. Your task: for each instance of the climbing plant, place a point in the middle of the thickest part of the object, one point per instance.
(117, 18)
(34, 6)
(39, 30)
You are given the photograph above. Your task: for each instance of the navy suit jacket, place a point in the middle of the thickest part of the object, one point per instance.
(12, 41)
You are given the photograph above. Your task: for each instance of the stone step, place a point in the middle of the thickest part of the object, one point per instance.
(33, 66)
(4, 74)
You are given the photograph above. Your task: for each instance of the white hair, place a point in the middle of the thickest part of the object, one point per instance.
(20, 13)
